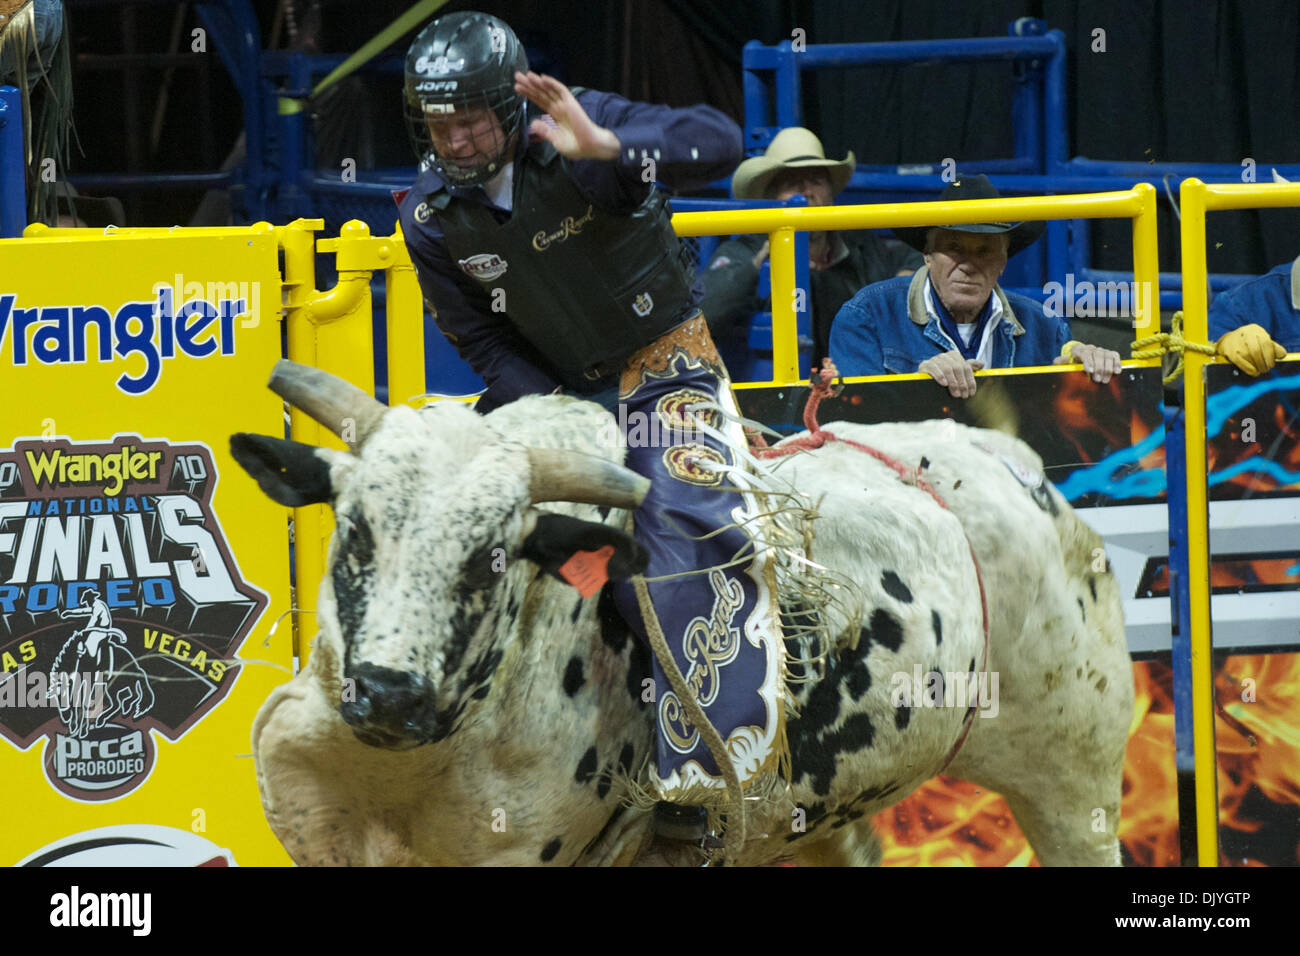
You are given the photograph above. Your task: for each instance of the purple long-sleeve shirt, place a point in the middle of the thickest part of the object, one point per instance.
(690, 147)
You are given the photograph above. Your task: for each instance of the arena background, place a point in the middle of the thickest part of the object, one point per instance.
(1205, 80)
(1200, 81)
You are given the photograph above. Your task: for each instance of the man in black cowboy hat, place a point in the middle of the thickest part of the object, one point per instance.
(960, 319)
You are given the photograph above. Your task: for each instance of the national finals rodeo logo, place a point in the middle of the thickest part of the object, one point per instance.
(121, 607)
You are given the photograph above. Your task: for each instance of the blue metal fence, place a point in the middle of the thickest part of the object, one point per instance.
(1039, 164)
(13, 171)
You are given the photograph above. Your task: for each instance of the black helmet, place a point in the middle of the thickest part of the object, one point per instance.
(459, 62)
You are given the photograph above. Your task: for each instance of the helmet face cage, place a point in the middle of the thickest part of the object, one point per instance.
(462, 63)
(509, 108)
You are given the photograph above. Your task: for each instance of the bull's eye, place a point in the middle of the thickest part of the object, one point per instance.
(483, 568)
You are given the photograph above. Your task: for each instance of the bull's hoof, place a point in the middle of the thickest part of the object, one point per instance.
(676, 822)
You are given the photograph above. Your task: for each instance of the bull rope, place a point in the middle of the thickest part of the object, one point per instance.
(818, 437)
(734, 839)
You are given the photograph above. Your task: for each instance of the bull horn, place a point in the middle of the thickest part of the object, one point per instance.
(585, 479)
(338, 405)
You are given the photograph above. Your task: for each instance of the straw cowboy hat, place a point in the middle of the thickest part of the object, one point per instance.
(792, 148)
(975, 187)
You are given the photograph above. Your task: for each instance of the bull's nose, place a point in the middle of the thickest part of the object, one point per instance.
(389, 706)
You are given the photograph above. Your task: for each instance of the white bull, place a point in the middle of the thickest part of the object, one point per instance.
(461, 707)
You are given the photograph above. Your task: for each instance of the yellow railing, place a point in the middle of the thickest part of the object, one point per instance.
(1138, 204)
(1196, 198)
(332, 330)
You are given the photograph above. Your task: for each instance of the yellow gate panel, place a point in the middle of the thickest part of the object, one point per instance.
(141, 570)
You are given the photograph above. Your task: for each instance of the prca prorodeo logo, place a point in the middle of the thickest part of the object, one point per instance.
(121, 606)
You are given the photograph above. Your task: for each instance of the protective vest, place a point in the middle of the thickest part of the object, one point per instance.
(587, 287)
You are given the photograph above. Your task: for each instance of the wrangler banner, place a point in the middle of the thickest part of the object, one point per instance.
(141, 572)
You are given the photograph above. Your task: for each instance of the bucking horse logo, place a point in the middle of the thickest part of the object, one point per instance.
(96, 656)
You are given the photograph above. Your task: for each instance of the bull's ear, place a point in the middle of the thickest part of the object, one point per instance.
(556, 539)
(290, 472)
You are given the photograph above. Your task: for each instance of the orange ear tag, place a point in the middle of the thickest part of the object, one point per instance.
(588, 570)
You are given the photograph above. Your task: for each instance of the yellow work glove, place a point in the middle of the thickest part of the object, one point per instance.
(1250, 349)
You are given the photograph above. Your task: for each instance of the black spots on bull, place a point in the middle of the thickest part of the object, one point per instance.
(823, 706)
(812, 750)
(858, 681)
(573, 679)
(883, 629)
(478, 677)
(586, 767)
(460, 636)
(352, 571)
(625, 758)
(936, 622)
(1083, 613)
(895, 587)
(810, 758)
(549, 851)
(613, 629)
(902, 717)
(814, 756)
(602, 788)
(445, 721)
(638, 669)
(873, 793)
(856, 734)
(477, 682)
(481, 671)
(1092, 588)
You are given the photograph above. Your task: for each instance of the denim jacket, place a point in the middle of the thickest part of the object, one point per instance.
(1271, 300)
(885, 330)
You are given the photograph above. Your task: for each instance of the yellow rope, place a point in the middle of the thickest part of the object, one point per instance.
(1172, 341)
